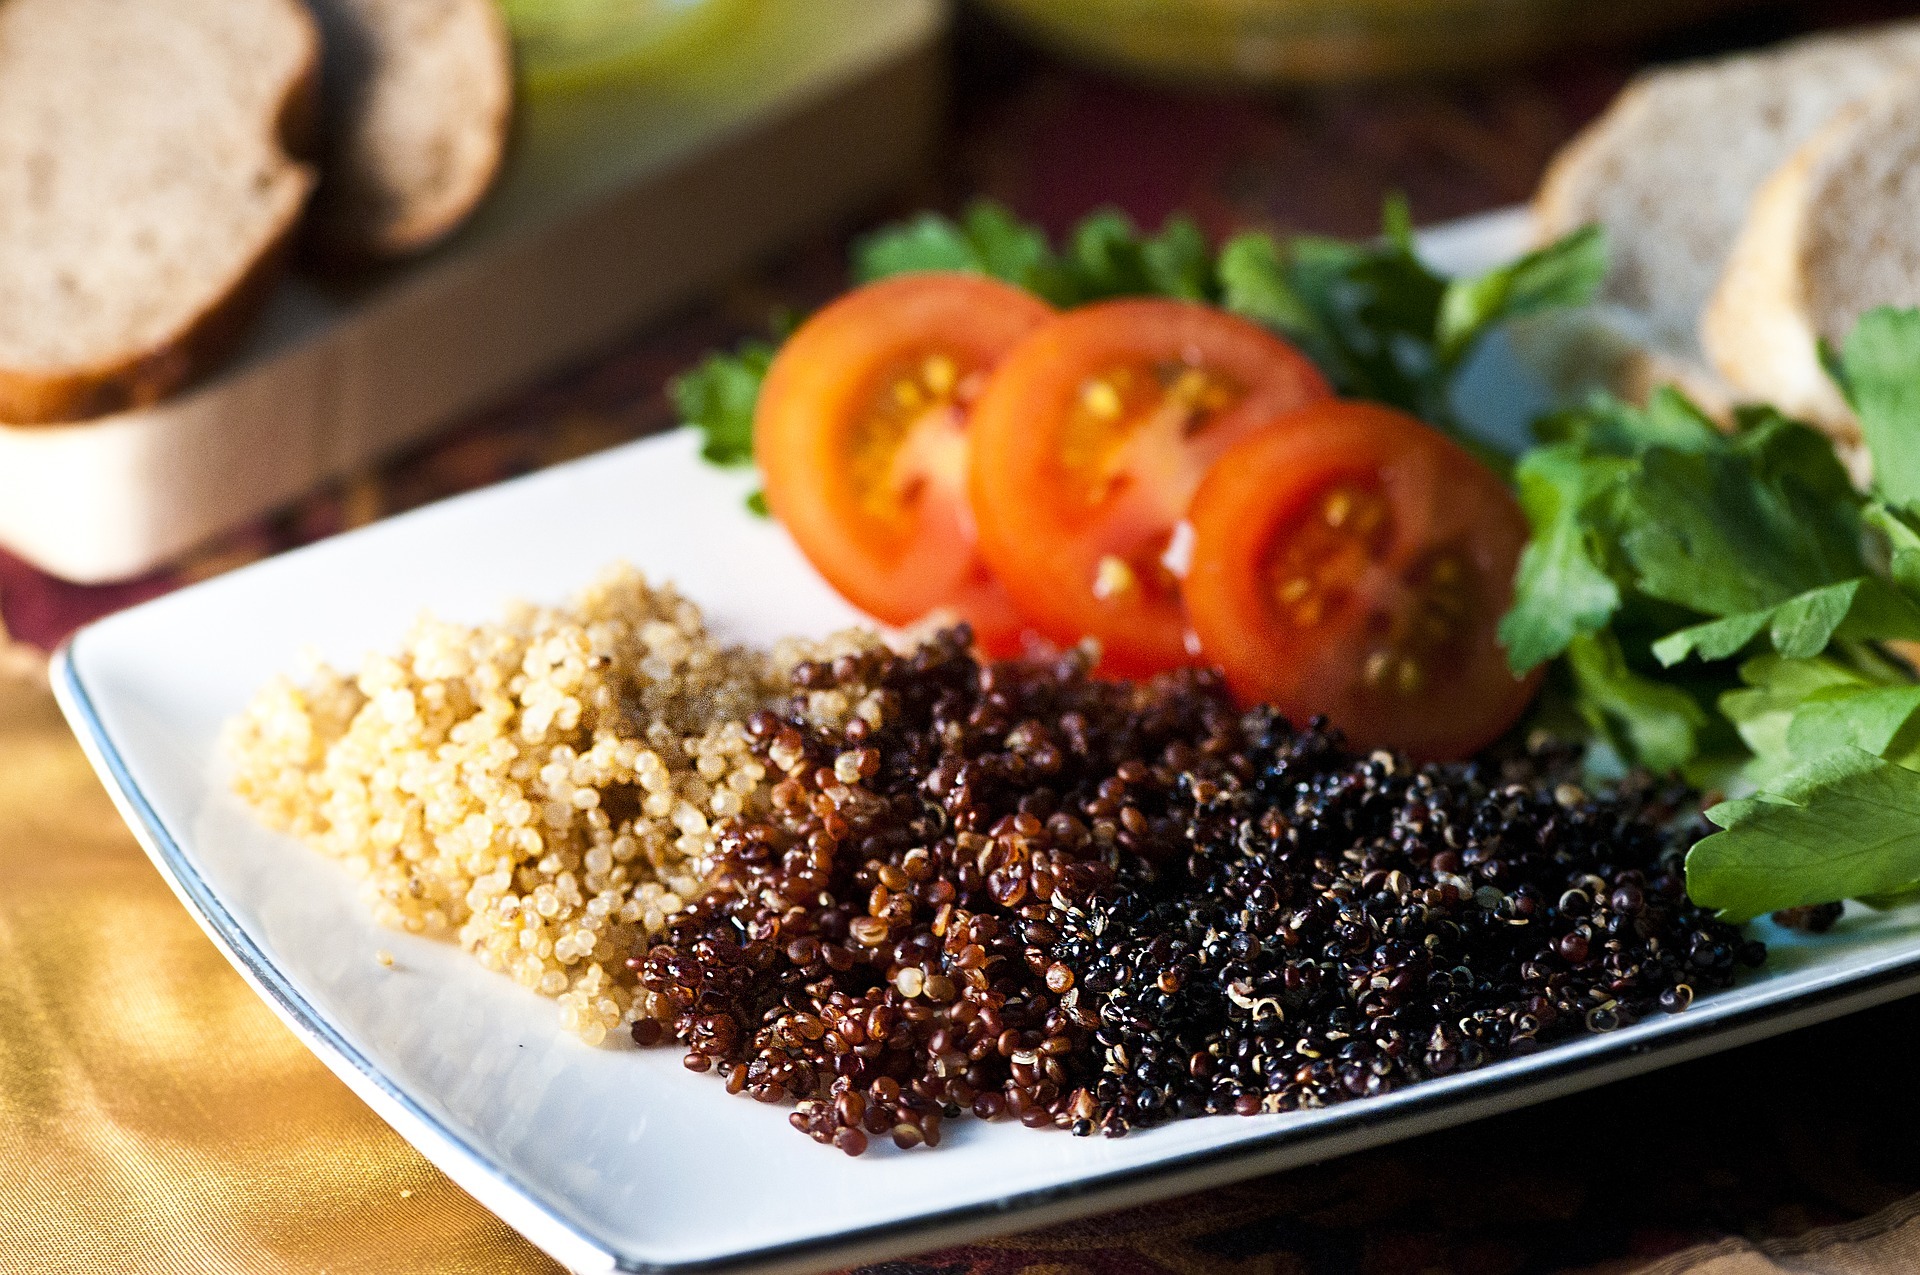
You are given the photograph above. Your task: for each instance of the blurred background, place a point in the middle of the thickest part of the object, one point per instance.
(1294, 115)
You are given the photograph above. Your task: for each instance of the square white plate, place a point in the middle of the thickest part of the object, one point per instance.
(617, 1158)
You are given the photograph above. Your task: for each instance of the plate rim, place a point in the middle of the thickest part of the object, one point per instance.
(1355, 1126)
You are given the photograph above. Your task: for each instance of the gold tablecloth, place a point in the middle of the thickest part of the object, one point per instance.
(154, 1115)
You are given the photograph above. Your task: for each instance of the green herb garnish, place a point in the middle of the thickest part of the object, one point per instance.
(1722, 600)
(1376, 320)
(717, 398)
(1105, 256)
(1379, 322)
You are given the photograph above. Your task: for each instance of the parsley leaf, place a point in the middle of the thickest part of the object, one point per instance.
(1742, 527)
(717, 398)
(1379, 322)
(1875, 719)
(1879, 371)
(1611, 427)
(927, 242)
(1898, 544)
(1832, 723)
(1714, 640)
(1567, 273)
(1366, 313)
(1563, 588)
(1288, 289)
(1108, 257)
(1654, 722)
(1758, 530)
(1675, 541)
(1802, 626)
(1845, 824)
(1792, 711)
(1775, 690)
(986, 240)
(1257, 283)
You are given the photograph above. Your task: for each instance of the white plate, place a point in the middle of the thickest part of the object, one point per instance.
(616, 1158)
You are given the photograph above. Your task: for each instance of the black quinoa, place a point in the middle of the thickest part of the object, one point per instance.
(1037, 895)
(1343, 926)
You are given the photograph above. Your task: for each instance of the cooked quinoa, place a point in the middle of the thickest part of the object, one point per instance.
(545, 789)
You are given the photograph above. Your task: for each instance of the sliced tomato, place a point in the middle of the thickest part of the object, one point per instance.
(1354, 562)
(861, 435)
(1088, 444)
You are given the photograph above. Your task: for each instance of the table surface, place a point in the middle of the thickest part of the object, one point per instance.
(1808, 1130)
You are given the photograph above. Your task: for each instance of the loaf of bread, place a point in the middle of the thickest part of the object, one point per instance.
(1670, 169)
(1831, 235)
(148, 190)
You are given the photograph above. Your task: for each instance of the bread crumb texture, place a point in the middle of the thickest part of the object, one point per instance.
(1862, 246)
(545, 790)
(145, 185)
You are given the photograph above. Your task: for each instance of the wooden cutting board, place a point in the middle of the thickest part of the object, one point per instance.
(616, 204)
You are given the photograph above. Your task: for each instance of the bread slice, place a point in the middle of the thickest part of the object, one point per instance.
(1830, 236)
(418, 98)
(146, 190)
(1670, 168)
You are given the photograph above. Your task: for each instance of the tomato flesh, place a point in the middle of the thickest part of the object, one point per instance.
(1354, 562)
(861, 434)
(1087, 445)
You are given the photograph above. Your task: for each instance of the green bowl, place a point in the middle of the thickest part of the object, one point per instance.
(1326, 41)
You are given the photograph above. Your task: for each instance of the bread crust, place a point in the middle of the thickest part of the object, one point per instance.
(1555, 200)
(140, 378)
(344, 235)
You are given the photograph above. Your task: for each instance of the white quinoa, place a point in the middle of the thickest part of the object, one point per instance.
(545, 790)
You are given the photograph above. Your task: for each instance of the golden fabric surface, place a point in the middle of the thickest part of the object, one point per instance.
(154, 1114)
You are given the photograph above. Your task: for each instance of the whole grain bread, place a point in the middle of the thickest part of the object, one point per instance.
(418, 97)
(147, 190)
(1830, 236)
(1672, 165)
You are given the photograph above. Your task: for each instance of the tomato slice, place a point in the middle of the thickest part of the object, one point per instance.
(1354, 562)
(1088, 444)
(861, 436)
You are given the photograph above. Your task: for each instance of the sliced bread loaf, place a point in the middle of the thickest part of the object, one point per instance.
(1670, 168)
(1830, 236)
(418, 96)
(146, 190)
